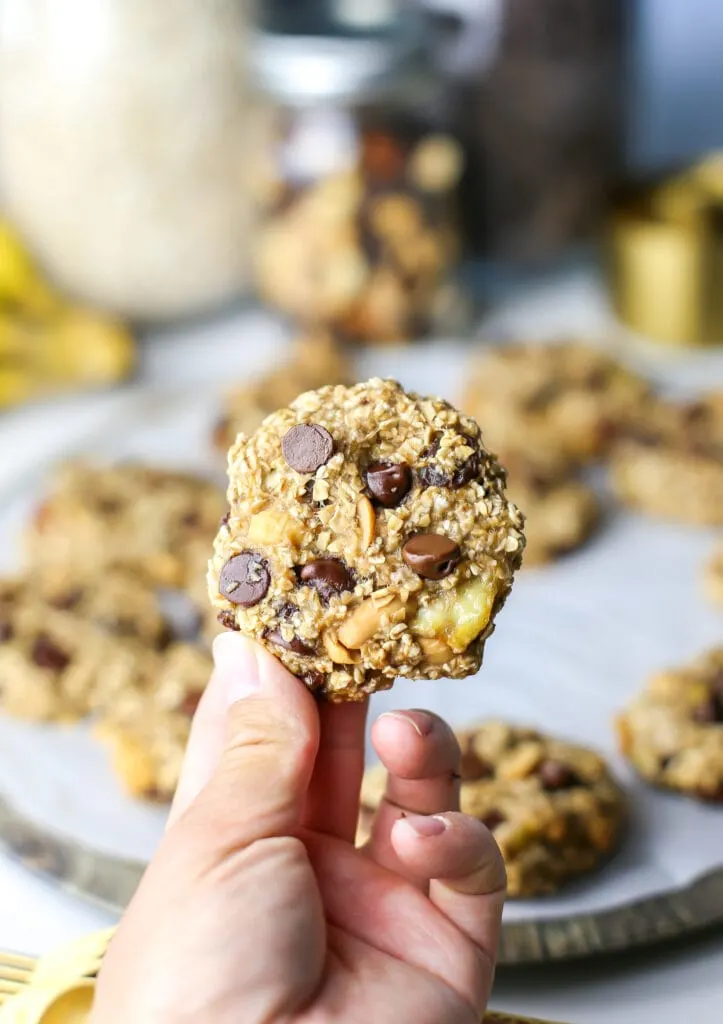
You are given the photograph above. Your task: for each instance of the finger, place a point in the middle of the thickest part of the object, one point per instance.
(465, 868)
(332, 804)
(422, 757)
(255, 784)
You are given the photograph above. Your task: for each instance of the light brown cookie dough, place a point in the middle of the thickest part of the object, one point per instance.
(126, 515)
(146, 732)
(117, 602)
(561, 512)
(312, 361)
(565, 397)
(672, 732)
(369, 537)
(553, 806)
(55, 666)
(713, 578)
(669, 460)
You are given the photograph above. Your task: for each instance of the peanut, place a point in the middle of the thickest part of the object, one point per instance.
(368, 617)
(339, 654)
(521, 762)
(367, 521)
(457, 616)
(435, 651)
(271, 527)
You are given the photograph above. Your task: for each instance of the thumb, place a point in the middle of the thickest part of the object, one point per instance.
(252, 748)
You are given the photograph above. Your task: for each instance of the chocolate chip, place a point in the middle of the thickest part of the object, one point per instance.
(307, 446)
(314, 680)
(66, 601)
(493, 819)
(189, 704)
(6, 632)
(710, 712)
(389, 482)
(433, 476)
(431, 555)
(474, 767)
(47, 654)
(228, 620)
(327, 576)
(296, 644)
(554, 775)
(245, 579)
(711, 795)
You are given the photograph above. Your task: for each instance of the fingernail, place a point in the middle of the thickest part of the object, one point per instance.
(425, 826)
(420, 721)
(236, 666)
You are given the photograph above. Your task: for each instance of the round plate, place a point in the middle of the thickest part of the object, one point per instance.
(110, 882)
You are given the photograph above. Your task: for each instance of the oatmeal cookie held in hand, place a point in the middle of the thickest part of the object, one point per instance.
(368, 537)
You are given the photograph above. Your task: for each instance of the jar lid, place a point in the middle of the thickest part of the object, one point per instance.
(340, 51)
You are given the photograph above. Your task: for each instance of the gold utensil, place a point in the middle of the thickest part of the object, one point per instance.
(68, 1003)
(15, 974)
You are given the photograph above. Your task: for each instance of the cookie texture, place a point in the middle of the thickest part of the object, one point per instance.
(369, 536)
(672, 732)
(146, 731)
(129, 515)
(312, 361)
(554, 808)
(669, 460)
(561, 512)
(567, 397)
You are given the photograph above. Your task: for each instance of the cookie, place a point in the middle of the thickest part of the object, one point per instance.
(553, 807)
(126, 515)
(672, 732)
(117, 602)
(369, 537)
(561, 512)
(713, 579)
(146, 732)
(669, 460)
(565, 397)
(55, 666)
(312, 361)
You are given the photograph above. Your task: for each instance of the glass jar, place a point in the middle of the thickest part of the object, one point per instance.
(536, 90)
(356, 182)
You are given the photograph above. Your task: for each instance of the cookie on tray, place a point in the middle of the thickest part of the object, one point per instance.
(369, 537)
(561, 512)
(672, 732)
(312, 361)
(129, 514)
(118, 601)
(565, 397)
(553, 806)
(146, 732)
(669, 460)
(55, 666)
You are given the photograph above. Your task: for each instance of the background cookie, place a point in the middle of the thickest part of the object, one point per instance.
(368, 537)
(129, 515)
(553, 806)
(565, 397)
(669, 460)
(672, 732)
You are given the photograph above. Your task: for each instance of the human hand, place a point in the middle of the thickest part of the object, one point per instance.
(258, 908)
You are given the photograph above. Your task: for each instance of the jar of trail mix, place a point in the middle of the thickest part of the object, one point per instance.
(356, 180)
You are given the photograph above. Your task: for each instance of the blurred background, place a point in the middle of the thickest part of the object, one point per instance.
(207, 208)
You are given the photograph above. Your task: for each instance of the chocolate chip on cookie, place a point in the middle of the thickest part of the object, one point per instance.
(307, 446)
(245, 579)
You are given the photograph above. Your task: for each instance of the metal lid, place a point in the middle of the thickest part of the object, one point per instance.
(340, 51)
